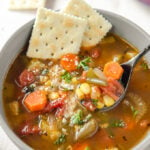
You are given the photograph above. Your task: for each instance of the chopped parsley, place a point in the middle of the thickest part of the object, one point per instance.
(134, 111)
(66, 76)
(94, 101)
(45, 71)
(84, 63)
(29, 88)
(76, 119)
(87, 148)
(60, 140)
(144, 66)
(117, 123)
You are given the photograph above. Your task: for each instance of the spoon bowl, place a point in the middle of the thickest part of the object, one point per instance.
(125, 80)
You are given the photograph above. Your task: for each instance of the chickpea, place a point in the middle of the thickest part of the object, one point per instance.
(108, 101)
(79, 94)
(100, 105)
(48, 83)
(85, 88)
(53, 95)
(74, 80)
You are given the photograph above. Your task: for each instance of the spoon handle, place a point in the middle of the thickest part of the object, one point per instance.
(132, 62)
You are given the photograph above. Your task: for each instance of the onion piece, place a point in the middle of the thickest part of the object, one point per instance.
(97, 81)
(138, 103)
(99, 74)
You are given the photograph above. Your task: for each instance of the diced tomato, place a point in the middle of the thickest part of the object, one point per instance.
(95, 53)
(114, 88)
(69, 62)
(81, 146)
(28, 129)
(54, 104)
(26, 78)
(36, 100)
(89, 105)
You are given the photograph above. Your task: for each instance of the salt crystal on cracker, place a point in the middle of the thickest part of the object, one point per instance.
(55, 34)
(98, 26)
(26, 4)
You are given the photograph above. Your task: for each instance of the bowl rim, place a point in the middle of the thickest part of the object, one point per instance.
(5, 126)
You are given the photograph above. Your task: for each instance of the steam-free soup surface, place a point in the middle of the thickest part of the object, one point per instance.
(68, 117)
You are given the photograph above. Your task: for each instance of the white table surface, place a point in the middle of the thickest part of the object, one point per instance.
(10, 21)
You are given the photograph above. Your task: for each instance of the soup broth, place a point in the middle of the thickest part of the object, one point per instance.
(72, 125)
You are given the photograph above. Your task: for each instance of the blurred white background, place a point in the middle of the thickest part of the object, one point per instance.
(10, 21)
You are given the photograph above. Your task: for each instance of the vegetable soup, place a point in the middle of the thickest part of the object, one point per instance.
(55, 104)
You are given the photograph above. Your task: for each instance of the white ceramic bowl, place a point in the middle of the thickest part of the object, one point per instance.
(121, 26)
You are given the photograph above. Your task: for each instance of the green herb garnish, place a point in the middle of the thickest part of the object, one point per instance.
(134, 111)
(117, 123)
(94, 101)
(84, 63)
(76, 119)
(60, 140)
(144, 66)
(87, 148)
(66, 76)
(45, 71)
(29, 88)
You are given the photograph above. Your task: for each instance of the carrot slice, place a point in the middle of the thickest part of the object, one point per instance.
(36, 101)
(130, 123)
(69, 62)
(83, 146)
(113, 69)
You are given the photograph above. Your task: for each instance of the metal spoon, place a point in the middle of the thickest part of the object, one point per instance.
(128, 69)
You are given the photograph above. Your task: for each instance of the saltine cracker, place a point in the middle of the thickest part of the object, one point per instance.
(55, 34)
(26, 4)
(98, 26)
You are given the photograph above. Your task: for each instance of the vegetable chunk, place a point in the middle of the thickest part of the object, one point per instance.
(26, 78)
(36, 101)
(113, 69)
(69, 62)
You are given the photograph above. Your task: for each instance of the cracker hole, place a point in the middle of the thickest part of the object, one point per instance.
(88, 16)
(56, 38)
(71, 42)
(36, 50)
(90, 39)
(52, 54)
(46, 44)
(89, 27)
(66, 32)
(100, 27)
(51, 28)
(62, 48)
(77, 26)
(41, 34)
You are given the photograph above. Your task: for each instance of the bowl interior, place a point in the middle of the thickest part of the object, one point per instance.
(12, 48)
